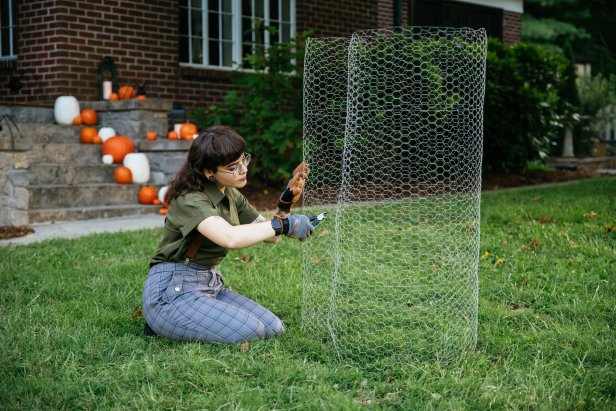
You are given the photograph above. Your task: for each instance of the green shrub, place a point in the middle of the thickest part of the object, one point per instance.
(527, 89)
(265, 107)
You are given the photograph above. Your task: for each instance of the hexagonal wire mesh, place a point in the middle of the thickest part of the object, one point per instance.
(393, 134)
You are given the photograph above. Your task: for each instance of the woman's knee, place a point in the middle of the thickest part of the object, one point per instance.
(276, 328)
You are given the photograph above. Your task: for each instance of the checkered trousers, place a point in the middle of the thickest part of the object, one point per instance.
(186, 301)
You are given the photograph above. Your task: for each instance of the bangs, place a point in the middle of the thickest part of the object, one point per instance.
(220, 145)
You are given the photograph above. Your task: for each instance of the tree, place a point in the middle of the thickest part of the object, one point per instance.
(587, 25)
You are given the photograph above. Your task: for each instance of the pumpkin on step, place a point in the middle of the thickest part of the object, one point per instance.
(126, 93)
(187, 131)
(89, 117)
(123, 175)
(147, 195)
(87, 134)
(118, 147)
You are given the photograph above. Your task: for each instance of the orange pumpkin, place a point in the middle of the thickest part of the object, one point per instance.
(97, 140)
(118, 147)
(147, 195)
(123, 175)
(156, 202)
(87, 135)
(77, 120)
(187, 131)
(114, 97)
(163, 211)
(151, 135)
(126, 93)
(88, 117)
(172, 135)
(141, 97)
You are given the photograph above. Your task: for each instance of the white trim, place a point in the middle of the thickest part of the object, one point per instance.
(293, 19)
(516, 6)
(11, 52)
(236, 33)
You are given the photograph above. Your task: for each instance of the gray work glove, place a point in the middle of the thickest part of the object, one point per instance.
(293, 225)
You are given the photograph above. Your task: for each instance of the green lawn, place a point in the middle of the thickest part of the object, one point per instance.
(70, 338)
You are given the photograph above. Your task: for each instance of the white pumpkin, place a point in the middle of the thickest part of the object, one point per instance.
(139, 165)
(107, 159)
(106, 132)
(65, 109)
(162, 193)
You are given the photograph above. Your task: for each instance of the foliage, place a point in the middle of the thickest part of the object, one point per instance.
(588, 25)
(598, 99)
(596, 92)
(526, 92)
(71, 336)
(265, 107)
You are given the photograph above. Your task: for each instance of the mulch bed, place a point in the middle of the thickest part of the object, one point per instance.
(531, 177)
(11, 231)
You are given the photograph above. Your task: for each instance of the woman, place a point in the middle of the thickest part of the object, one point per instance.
(184, 297)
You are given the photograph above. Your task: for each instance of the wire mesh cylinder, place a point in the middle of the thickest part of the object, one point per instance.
(393, 134)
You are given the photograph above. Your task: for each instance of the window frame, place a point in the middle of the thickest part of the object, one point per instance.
(12, 55)
(237, 39)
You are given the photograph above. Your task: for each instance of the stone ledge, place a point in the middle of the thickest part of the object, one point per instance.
(163, 144)
(149, 104)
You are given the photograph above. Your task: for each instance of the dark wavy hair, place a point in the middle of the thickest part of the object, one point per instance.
(215, 146)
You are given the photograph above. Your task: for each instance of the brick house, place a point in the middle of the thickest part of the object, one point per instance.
(50, 48)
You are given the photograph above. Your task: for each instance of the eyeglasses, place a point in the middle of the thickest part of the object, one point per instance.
(238, 168)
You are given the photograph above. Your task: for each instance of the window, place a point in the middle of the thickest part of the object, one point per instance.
(456, 14)
(7, 29)
(219, 33)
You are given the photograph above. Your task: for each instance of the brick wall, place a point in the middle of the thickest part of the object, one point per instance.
(60, 44)
(512, 27)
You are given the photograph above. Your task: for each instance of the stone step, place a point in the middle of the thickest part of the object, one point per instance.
(50, 133)
(60, 174)
(68, 154)
(28, 114)
(84, 195)
(87, 213)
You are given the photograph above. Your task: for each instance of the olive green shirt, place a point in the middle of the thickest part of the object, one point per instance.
(188, 210)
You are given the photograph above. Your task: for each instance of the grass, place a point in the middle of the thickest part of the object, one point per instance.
(70, 338)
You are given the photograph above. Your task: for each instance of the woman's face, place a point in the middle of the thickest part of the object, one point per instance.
(233, 174)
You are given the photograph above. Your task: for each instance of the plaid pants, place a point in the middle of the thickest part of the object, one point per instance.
(186, 301)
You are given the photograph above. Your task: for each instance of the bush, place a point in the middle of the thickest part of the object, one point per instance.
(527, 89)
(265, 107)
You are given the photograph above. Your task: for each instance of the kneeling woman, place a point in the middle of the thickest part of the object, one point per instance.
(184, 297)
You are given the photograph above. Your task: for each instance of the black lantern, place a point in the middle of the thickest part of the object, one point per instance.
(177, 115)
(107, 77)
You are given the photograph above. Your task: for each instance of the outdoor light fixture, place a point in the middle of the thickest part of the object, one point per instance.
(107, 75)
(177, 115)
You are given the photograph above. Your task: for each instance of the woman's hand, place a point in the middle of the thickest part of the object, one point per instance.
(294, 189)
(293, 225)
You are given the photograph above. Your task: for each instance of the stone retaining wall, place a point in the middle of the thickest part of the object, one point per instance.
(13, 176)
